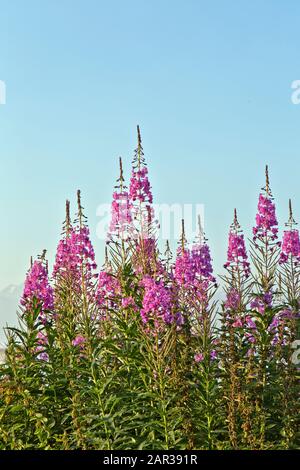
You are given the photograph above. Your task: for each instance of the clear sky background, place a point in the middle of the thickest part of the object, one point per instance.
(209, 82)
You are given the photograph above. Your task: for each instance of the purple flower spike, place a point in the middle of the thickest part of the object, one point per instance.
(37, 287)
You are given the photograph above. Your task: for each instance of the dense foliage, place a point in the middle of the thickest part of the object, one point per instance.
(140, 355)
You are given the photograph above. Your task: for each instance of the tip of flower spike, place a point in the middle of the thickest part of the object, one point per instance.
(291, 220)
(235, 225)
(235, 219)
(267, 179)
(68, 218)
(279, 283)
(168, 252)
(139, 134)
(138, 159)
(183, 240)
(106, 255)
(79, 198)
(42, 256)
(201, 231)
(267, 188)
(121, 179)
(81, 218)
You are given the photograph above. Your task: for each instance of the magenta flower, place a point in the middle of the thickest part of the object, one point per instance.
(266, 221)
(128, 302)
(121, 208)
(250, 338)
(140, 193)
(108, 290)
(290, 246)
(201, 262)
(42, 342)
(184, 272)
(42, 356)
(260, 303)
(250, 323)
(140, 189)
(279, 327)
(213, 355)
(193, 267)
(65, 260)
(236, 253)
(120, 214)
(37, 287)
(289, 314)
(75, 257)
(193, 274)
(233, 299)
(144, 259)
(199, 357)
(42, 338)
(238, 323)
(157, 302)
(78, 341)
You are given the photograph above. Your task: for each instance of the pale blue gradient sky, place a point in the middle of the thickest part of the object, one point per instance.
(208, 82)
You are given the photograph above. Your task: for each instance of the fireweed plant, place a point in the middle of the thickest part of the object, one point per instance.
(140, 355)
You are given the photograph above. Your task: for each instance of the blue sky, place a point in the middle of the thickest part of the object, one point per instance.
(208, 82)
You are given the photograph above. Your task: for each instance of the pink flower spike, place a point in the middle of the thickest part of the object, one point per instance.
(236, 254)
(78, 341)
(37, 287)
(199, 357)
(290, 247)
(266, 221)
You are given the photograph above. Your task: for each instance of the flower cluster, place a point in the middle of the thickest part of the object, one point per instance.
(75, 254)
(236, 253)
(199, 357)
(79, 340)
(290, 246)
(42, 341)
(233, 299)
(266, 221)
(279, 326)
(140, 193)
(108, 290)
(201, 262)
(120, 214)
(262, 302)
(128, 302)
(144, 259)
(193, 266)
(184, 272)
(140, 189)
(158, 302)
(121, 207)
(37, 288)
